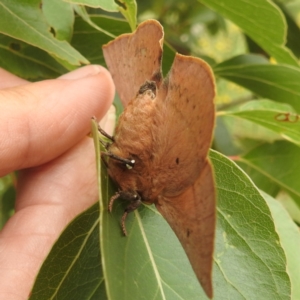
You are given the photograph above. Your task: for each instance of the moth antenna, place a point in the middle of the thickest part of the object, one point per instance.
(112, 200)
(128, 162)
(104, 133)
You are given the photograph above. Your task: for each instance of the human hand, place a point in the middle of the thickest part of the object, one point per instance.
(43, 128)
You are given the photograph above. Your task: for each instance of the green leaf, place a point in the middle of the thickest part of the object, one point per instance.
(293, 33)
(276, 82)
(95, 135)
(248, 134)
(289, 204)
(7, 198)
(290, 241)
(280, 118)
(168, 58)
(60, 17)
(81, 11)
(129, 10)
(27, 61)
(89, 41)
(223, 141)
(108, 5)
(72, 270)
(262, 20)
(30, 26)
(263, 182)
(280, 162)
(249, 260)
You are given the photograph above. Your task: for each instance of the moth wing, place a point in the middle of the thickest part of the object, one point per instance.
(134, 58)
(191, 215)
(185, 105)
(185, 114)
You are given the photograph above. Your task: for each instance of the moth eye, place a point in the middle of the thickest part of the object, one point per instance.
(177, 160)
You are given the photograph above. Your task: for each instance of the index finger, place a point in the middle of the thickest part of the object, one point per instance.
(40, 121)
(10, 80)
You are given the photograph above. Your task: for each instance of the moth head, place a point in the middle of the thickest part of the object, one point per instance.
(148, 87)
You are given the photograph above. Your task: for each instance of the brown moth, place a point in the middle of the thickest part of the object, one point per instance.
(158, 153)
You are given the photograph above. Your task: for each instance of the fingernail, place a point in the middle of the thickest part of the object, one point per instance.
(83, 72)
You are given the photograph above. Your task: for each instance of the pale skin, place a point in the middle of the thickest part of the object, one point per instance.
(43, 133)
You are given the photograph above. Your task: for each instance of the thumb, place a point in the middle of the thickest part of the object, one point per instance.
(39, 121)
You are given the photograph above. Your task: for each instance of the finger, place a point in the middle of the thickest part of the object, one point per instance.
(9, 80)
(49, 197)
(40, 121)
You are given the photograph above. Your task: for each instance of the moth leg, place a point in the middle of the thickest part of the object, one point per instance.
(104, 133)
(135, 202)
(131, 207)
(131, 196)
(123, 223)
(112, 200)
(128, 162)
(105, 144)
